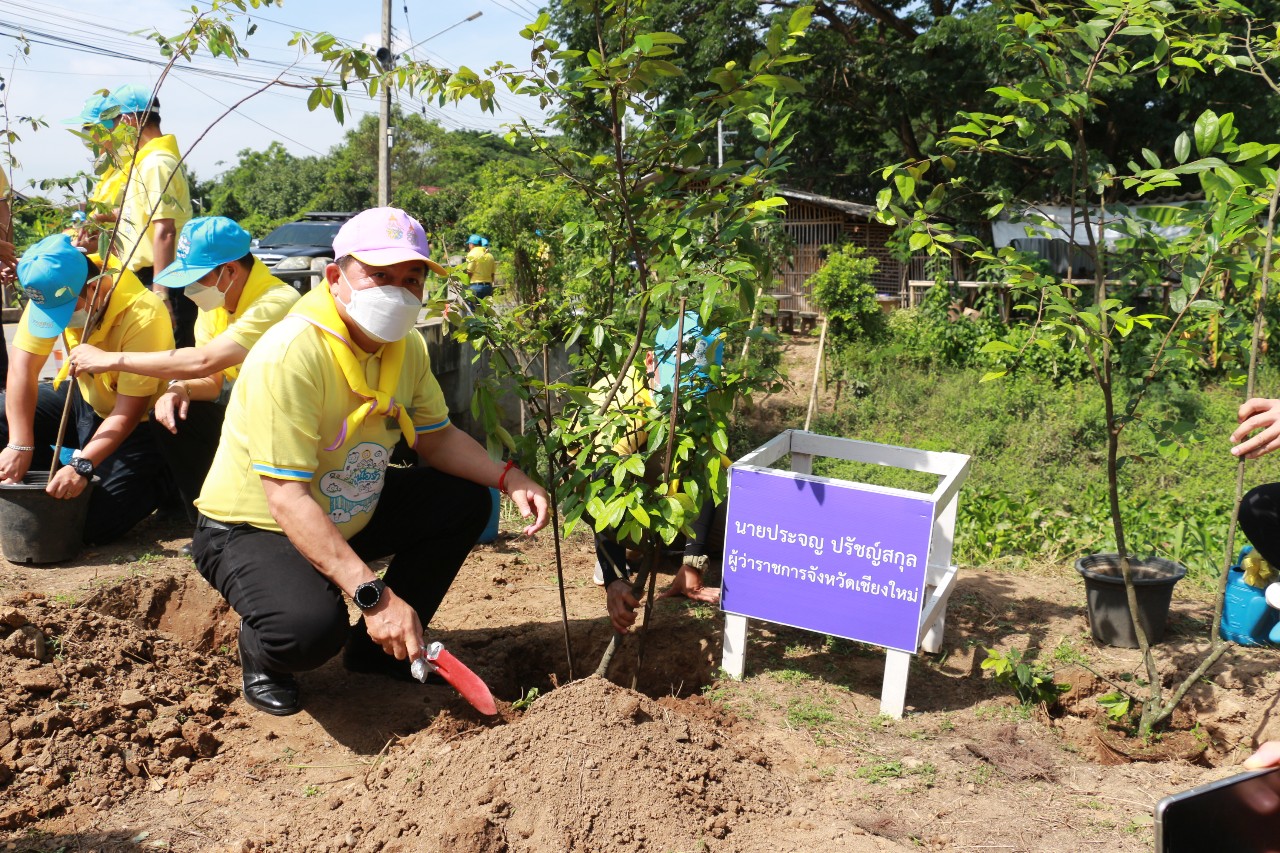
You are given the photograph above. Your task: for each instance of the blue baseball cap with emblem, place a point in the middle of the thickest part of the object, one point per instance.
(52, 274)
(91, 113)
(206, 243)
(133, 98)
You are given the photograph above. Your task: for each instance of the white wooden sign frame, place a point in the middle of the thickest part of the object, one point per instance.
(940, 574)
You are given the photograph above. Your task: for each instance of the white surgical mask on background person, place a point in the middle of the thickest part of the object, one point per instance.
(385, 314)
(78, 319)
(206, 297)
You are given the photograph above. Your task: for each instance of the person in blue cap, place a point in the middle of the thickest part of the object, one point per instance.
(155, 206)
(239, 299)
(108, 191)
(108, 426)
(700, 351)
(480, 266)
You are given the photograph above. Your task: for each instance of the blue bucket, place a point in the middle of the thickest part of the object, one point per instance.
(491, 529)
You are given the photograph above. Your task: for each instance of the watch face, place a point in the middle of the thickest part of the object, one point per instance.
(367, 594)
(82, 466)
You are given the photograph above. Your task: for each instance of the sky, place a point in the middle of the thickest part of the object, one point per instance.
(80, 46)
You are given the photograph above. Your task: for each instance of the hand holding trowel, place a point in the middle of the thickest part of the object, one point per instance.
(438, 659)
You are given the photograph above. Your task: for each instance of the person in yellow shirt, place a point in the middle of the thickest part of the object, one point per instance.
(300, 494)
(644, 391)
(112, 166)
(109, 411)
(480, 266)
(239, 299)
(8, 260)
(155, 206)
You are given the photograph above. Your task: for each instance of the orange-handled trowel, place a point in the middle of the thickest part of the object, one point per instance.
(438, 659)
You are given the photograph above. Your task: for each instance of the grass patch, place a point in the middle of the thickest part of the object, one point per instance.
(1036, 491)
(807, 714)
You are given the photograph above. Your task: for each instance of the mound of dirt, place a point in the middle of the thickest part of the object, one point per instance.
(591, 766)
(97, 708)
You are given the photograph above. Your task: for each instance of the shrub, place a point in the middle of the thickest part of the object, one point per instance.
(843, 289)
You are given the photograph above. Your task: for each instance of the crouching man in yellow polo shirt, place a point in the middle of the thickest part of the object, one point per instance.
(300, 495)
(109, 411)
(239, 299)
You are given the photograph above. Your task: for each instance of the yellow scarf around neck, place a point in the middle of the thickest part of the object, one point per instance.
(319, 309)
(254, 287)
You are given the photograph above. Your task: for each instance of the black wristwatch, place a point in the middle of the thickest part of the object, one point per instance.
(83, 466)
(368, 594)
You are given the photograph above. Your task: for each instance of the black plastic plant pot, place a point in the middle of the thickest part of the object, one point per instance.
(1109, 619)
(38, 528)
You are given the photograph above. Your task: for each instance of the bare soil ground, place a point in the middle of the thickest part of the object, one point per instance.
(122, 728)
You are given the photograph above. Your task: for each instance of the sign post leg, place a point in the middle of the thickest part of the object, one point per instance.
(893, 693)
(734, 659)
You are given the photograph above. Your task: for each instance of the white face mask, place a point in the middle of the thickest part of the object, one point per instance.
(79, 318)
(206, 298)
(385, 314)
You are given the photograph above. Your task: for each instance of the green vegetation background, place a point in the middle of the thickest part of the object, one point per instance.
(1036, 487)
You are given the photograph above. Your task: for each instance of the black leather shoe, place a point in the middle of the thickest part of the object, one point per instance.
(185, 550)
(268, 691)
(364, 655)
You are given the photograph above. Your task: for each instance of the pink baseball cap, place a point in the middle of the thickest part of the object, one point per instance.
(383, 236)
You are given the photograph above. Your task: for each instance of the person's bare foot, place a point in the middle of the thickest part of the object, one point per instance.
(688, 582)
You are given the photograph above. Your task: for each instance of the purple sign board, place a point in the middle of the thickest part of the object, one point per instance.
(826, 555)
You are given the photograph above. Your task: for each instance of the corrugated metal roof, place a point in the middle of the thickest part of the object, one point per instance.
(866, 211)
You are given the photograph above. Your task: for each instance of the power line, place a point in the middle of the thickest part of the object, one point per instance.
(250, 118)
(289, 75)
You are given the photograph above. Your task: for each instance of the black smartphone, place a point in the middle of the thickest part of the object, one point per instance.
(1239, 814)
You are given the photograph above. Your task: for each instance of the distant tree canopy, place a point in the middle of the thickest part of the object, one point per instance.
(883, 84)
(886, 79)
(268, 187)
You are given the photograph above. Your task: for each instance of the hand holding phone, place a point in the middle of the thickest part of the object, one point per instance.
(1240, 814)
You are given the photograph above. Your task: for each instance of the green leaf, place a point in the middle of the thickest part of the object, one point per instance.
(1206, 132)
(1182, 147)
(779, 82)
(918, 240)
(799, 21)
(997, 346)
(906, 185)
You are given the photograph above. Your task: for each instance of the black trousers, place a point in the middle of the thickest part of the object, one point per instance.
(189, 452)
(130, 481)
(184, 310)
(1260, 520)
(292, 618)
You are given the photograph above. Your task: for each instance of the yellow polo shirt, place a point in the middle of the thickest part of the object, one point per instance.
(109, 189)
(136, 321)
(480, 263)
(263, 303)
(150, 189)
(286, 419)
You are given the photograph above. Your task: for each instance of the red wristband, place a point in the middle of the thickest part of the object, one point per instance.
(502, 478)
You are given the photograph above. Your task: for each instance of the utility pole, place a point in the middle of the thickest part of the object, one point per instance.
(387, 60)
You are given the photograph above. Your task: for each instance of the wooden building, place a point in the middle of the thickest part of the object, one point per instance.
(814, 222)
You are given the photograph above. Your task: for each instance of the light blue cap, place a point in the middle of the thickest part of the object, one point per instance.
(205, 244)
(133, 98)
(91, 113)
(704, 348)
(52, 274)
